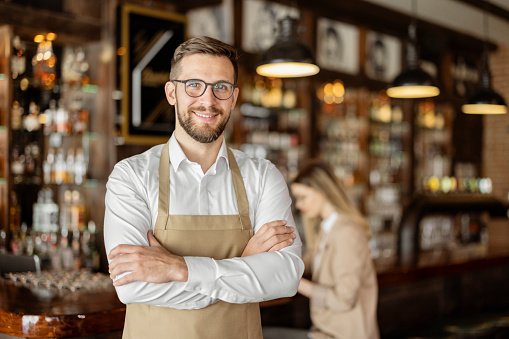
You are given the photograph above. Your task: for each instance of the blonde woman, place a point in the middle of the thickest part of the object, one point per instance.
(343, 289)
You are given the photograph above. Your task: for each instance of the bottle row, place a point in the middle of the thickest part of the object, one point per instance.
(59, 167)
(74, 68)
(64, 250)
(64, 119)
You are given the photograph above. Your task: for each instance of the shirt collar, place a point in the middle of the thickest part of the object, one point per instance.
(328, 223)
(177, 155)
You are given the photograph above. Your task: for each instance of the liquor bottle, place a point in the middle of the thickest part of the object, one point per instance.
(17, 165)
(78, 212)
(50, 118)
(29, 162)
(45, 214)
(65, 250)
(80, 167)
(60, 173)
(3, 241)
(36, 156)
(16, 115)
(14, 213)
(18, 63)
(66, 211)
(62, 119)
(70, 165)
(48, 167)
(31, 121)
(90, 252)
(76, 250)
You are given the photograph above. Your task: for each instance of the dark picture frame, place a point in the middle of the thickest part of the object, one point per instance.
(149, 38)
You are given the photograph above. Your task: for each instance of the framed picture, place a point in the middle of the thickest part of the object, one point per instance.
(149, 38)
(213, 21)
(383, 56)
(260, 23)
(337, 46)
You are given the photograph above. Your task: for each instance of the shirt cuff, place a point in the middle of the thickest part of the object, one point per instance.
(319, 296)
(201, 274)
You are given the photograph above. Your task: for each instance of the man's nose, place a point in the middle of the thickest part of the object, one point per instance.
(208, 95)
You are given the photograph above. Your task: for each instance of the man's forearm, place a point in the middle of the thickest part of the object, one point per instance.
(256, 278)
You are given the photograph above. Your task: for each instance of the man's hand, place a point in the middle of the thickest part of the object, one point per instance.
(272, 236)
(153, 264)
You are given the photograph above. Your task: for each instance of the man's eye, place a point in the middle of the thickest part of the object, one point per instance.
(221, 86)
(194, 84)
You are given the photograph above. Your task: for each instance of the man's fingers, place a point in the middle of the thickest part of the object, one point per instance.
(121, 268)
(278, 239)
(124, 280)
(122, 249)
(275, 231)
(152, 241)
(270, 225)
(281, 245)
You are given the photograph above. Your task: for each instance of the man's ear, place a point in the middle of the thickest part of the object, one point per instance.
(235, 97)
(171, 96)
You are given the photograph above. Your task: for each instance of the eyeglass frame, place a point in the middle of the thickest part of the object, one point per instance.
(206, 85)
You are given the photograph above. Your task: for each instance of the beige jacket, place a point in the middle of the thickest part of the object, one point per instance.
(345, 291)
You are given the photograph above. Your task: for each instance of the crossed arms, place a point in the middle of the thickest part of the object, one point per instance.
(270, 266)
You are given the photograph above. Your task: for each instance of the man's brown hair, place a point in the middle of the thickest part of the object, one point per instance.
(204, 45)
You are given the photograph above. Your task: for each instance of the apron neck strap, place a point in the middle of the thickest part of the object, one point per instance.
(240, 191)
(164, 181)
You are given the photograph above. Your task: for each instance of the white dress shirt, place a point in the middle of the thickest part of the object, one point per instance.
(131, 210)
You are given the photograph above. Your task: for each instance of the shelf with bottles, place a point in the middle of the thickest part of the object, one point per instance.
(446, 237)
(273, 125)
(432, 140)
(53, 225)
(343, 126)
(389, 169)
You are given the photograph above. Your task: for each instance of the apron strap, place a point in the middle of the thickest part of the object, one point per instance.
(240, 192)
(164, 183)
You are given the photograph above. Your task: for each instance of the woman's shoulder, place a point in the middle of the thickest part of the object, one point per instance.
(345, 226)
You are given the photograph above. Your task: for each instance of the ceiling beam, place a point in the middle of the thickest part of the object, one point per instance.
(491, 8)
(69, 27)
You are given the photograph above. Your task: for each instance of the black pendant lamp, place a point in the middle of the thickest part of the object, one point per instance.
(288, 57)
(413, 82)
(486, 100)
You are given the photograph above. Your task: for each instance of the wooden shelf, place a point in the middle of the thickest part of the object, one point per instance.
(70, 28)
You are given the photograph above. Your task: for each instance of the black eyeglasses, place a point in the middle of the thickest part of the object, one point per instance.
(195, 88)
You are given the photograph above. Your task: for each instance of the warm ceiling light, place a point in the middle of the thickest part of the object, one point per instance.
(413, 82)
(289, 57)
(486, 100)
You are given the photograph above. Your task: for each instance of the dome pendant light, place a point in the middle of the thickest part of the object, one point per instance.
(486, 100)
(413, 82)
(288, 57)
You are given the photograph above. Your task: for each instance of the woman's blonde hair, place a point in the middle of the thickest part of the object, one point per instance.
(319, 176)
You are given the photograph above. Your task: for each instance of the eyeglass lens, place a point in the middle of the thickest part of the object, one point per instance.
(221, 90)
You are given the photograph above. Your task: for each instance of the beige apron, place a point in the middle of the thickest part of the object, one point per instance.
(215, 236)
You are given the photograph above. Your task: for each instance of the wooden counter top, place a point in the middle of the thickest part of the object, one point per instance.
(398, 275)
(31, 312)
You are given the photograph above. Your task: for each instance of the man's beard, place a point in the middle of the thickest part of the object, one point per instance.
(204, 134)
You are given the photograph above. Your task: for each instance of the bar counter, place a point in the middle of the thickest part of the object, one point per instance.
(40, 312)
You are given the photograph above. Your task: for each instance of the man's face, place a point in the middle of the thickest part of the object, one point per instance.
(203, 118)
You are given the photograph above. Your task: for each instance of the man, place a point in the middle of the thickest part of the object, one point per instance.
(201, 273)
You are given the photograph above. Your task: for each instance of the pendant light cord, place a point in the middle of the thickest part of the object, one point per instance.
(485, 67)
(412, 56)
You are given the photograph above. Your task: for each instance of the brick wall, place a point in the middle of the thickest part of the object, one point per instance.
(496, 128)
